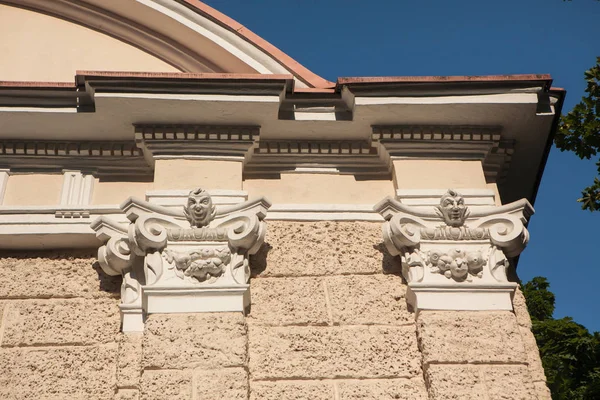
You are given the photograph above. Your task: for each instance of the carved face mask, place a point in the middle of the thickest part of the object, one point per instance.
(200, 209)
(452, 209)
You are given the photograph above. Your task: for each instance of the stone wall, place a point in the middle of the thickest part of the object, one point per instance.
(328, 320)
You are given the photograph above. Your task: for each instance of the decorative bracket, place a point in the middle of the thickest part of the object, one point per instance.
(452, 258)
(181, 261)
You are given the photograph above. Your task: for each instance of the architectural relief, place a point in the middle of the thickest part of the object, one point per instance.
(175, 261)
(453, 258)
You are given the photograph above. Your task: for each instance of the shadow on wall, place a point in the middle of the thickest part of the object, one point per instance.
(107, 283)
(258, 261)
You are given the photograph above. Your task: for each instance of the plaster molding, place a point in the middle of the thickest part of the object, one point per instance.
(178, 198)
(194, 140)
(323, 212)
(455, 258)
(4, 174)
(77, 188)
(483, 143)
(427, 198)
(194, 259)
(103, 158)
(345, 156)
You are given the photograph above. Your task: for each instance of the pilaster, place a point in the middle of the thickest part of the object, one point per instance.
(4, 174)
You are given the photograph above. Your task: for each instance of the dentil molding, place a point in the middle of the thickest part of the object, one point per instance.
(455, 258)
(191, 259)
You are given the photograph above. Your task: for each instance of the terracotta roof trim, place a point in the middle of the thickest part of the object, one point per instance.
(301, 72)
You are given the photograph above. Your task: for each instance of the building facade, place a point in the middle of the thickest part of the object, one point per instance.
(198, 216)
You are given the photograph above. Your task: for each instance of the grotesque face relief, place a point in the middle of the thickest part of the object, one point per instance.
(199, 209)
(452, 209)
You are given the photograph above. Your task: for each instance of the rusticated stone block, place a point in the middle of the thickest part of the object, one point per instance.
(508, 382)
(368, 299)
(384, 389)
(308, 352)
(542, 391)
(204, 340)
(168, 384)
(520, 308)
(470, 336)
(327, 248)
(127, 394)
(533, 355)
(51, 322)
(81, 373)
(51, 274)
(288, 301)
(291, 390)
(225, 383)
(129, 362)
(455, 382)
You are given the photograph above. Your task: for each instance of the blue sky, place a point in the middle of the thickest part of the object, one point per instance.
(335, 38)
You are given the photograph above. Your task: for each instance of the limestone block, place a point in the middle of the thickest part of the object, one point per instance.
(542, 391)
(520, 308)
(129, 360)
(204, 340)
(169, 384)
(291, 390)
(224, 383)
(127, 394)
(470, 336)
(326, 248)
(52, 322)
(46, 274)
(368, 299)
(288, 301)
(308, 352)
(533, 355)
(80, 373)
(508, 382)
(454, 382)
(384, 389)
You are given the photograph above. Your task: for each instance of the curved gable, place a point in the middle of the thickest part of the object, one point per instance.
(177, 35)
(39, 47)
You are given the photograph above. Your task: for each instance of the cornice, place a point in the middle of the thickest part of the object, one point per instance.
(102, 158)
(484, 143)
(195, 140)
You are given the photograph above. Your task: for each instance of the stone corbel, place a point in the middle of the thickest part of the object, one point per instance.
(452, 258)
(180, 261)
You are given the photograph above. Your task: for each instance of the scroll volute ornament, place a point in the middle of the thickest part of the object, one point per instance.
(192, 260)
(452, 249)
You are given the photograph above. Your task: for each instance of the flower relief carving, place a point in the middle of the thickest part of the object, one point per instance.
(452, 243)
(191, 260)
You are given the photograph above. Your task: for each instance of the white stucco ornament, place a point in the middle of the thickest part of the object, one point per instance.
(181, 261)
(452, 258)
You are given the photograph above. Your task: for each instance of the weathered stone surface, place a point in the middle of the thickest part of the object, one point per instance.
(225, 383)
(288, 301)
(470, 336)
(291, 390)
(493, 382)
(533, 355)
(51, 322)
(520, 308)
(52, 274)
(542, 391)
(205, 340)
(169, 384)
(454, 382)
(322, 248)
(129, 362)
(508, 382)
(385, 389)
(81, 373)
(333, 352)
(127, 394)
(368, 299)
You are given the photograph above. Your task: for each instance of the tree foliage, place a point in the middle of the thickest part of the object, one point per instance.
(579, 131)
(570, 353)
